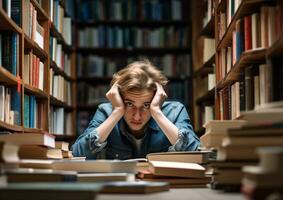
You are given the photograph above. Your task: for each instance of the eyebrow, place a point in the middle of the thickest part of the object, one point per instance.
(134, 102)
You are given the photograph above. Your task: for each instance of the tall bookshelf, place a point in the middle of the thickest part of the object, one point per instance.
(203, 62)
(252, 81)
(110, 34)
(248, 79)
(25, 69)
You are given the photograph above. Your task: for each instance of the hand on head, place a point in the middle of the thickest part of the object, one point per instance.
(113, 95)
(159, 98)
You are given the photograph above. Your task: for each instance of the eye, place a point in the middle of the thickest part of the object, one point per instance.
(129, 104)
(146, 106)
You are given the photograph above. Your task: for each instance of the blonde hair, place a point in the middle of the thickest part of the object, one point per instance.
(139, 75)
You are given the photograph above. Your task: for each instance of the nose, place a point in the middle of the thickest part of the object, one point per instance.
(137, 115)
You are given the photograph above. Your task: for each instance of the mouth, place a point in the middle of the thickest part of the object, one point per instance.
(136, 123)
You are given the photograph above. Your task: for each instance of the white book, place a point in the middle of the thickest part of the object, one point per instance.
(2, 102)
(209, 113)
(271, 25)
(8, 8)
(41, 75)
(0, 50)
(211, 81)
(29, 139)
(67, 31)
(229, 59)
(60, 121)
(51, 10)
(208, 49)
(255, 30)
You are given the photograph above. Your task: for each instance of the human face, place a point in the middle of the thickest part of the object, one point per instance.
(137, 113)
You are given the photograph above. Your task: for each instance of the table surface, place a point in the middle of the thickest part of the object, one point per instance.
(176, 194)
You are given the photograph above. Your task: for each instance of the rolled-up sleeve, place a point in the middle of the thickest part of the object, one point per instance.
(187, 139)
(87, 144)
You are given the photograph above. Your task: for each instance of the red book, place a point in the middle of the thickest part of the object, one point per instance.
(248, 32)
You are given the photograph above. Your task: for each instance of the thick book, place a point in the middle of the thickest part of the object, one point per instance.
(8, 153)
(62, 145)
(40, 175)
(176, 169)
(222, 126)
(199, 157)
(102, 177)
(138, 187)
(36, 163)
(253, 141)
(47, 191)
(39, 152)
(93, 166)
(45, 139)
(239, 153)
(257, 176)
(258, 129)
(147, 175)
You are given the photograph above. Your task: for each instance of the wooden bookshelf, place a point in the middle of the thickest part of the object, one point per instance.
(248, 62)
(59, 71)
(7, 23)
(245, 8)
(247, 58)
(276, 49)
(35, 92)
(206, 68)
(7, 78)
(203, 64)
(120, 54)
(27, 44)
(56, 102)
(209, 29)
(10, 127)
(146, 23)
(129, 51)
(207, 99)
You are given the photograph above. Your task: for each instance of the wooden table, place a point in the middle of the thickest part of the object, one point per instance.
(177, 194)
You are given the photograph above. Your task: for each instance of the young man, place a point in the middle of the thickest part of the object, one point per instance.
(137, 121)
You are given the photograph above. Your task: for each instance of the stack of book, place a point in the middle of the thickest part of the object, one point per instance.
(216, 130)
(179, 169)
(238, 148)
(265, 180)
(33, 145)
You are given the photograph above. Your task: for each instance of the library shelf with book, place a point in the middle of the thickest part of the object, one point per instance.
(248, 68)
(121, 32)
(244, 78)
(26, 97)
(203, 63)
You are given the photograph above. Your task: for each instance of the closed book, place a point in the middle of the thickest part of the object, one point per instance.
(8, 153)
(47, 191)
(199, 157)
(96, 166)
(248, 32)
(29, 139)
(40, 175)
(176, 169)
(102, 177)
(139, 187)
(39, 152)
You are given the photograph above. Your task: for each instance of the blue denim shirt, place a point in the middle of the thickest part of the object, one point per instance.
(121, 145)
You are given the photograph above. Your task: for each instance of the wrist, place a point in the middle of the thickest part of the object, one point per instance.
(119, 111)
(155, 111)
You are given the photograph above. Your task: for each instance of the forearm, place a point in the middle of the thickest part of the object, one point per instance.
(106, 127)
(169, 129)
